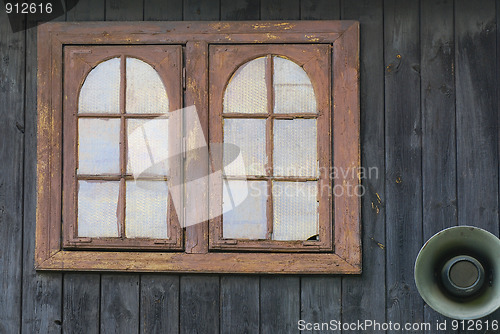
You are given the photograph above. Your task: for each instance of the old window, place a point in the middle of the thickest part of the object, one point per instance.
(243, 184)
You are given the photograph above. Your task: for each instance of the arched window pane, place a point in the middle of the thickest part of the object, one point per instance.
(246, 92)
(293, 91)
(100, 92)
(145, 91)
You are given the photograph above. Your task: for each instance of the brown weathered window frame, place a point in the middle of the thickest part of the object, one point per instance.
(196, 38)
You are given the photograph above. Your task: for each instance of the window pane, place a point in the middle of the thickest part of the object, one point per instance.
(295, 210)
(101, 90)
(146, 209)
(246, 92)
(248, 219)
(145, 90)
(293, 91)
(98, 146)
(295, 151)
(147, 146)
(249, 135)
(97, 209)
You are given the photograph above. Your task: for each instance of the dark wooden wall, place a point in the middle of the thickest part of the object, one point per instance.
(429, 109)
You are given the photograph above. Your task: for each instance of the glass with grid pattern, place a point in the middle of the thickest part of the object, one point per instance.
(278, 144)
(122, 165)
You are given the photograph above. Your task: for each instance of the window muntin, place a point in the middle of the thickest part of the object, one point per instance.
(271, 110)
(122, 122)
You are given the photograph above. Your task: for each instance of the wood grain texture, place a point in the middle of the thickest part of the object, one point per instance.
(403, 159)
(239, 304)
(81, 296)
(239, 10)
(159, 10)
(159, 304)
(12, 128)
(119, 303)
(321, 301)
(438, 113)
(124, 10)
(280, 9)
(279, 304)
(199, 304)
(477, 116)
(201, 10)
(320, 9)
(361, 296)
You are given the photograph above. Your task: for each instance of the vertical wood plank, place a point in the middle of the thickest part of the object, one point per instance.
(280, 9)
(403, 181)
(477, 115)
(239, 10)
(320, 9)
(159, 304)
(438, 124)
(239, 304)
(42, 292)
(321, 301)
(199, 304)
(279, 304)
(321, 297)
(477, 136)
(81, 303)
(163, 10)
(119, 303)
(124, 10)
(201, 10)
(362, 296)
(12, 129)
(81, 292)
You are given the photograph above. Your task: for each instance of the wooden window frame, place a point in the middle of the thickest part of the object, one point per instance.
(196, 37)
(315, 61)
(79, 62)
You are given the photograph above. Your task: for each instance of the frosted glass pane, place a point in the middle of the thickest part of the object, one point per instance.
(97, 209)
(147, 146)
(295, 210)
(295, 152)
(249, 135)
(100, 92)
(145, 90)
(246, 91)
(293, 91)
(248, 220)
(98, 146)
(146, 209)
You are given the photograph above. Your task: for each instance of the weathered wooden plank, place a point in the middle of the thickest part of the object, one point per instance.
(239, 10)
(280, 9)
(199, 304)
(124, 10)
(279, 304)
(362, 296)
(201, 10)
(12, 57)
(119, 303)
(239, 304)
(403, 181)
(42, 292)
(159, 304)
(477, 115)
(159, 10)
(81, 295)
(320, 9)
(87, 10)
(321, 301)
(438, 124)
